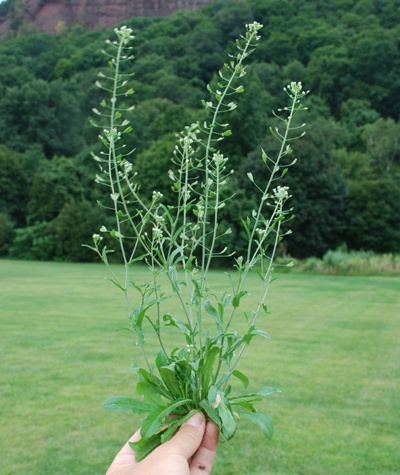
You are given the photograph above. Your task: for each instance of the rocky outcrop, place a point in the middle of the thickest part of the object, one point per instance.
(52, 16)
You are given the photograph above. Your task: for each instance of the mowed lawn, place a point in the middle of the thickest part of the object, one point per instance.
(335, 354)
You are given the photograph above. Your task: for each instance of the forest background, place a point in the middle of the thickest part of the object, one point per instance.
(346, 185)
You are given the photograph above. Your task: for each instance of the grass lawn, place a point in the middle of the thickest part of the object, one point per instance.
(335, 354)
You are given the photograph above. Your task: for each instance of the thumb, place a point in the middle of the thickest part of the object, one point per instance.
(188, 438)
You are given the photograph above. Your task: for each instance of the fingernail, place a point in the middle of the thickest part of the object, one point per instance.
(196, 420)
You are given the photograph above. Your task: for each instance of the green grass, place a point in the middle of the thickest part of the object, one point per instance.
(335, 354)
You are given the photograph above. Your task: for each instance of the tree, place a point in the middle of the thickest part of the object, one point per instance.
(73, 227)
(6, 233)
(382, 141)
(54, 183)
(41, 113)
(13, 186)
(373, 215)
(318, 188)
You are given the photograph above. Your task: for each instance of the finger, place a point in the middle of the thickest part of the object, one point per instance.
(188, 438)
(125, 457)
(204, 457)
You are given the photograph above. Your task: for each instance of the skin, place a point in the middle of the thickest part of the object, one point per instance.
(190, 452)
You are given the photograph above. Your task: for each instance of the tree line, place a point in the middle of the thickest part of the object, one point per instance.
(345, 186)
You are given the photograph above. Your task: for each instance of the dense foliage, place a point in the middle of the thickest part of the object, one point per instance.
(346, 186)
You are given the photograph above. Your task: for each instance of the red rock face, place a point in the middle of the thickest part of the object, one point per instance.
(51, 16)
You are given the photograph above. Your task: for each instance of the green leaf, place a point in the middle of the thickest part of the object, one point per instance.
(138, 258)
(265, 308)
(170, 380)
(128, 405)
(254, 397)
(253, 331)
(263, 421)
(144, 446)
(116, 234)
(243, 378)
(197, 291)
(150, 393)
(161, 359)
(174, 278)
(264, 156)
(210, 412)
(267, 391)
(210, 309)
(169, 320)
(137, 317)
(229, 423)
(236, 299)
(207, 368)
(259, 332)
(155, 383)
(248, 405)
(246, 226)
(155, 420)
(176, 423)
(117, 284)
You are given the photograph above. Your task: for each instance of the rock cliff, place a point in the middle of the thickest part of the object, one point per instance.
(52, 16)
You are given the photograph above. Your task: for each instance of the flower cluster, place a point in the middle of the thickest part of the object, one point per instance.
(219, 159)
(281, 193)
(157, 196)
(124, 34)
(254, 28)
(157, 233)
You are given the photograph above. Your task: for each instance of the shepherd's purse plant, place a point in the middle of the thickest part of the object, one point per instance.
(180, 241)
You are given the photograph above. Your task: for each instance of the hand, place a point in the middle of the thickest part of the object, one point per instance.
(190, 452)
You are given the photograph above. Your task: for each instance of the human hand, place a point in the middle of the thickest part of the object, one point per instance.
(190, 452)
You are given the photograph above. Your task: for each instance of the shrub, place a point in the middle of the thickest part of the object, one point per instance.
(342, 261)
(75, 225)
(37, 242)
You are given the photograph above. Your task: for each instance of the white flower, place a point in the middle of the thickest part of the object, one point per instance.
(97, 238)
(254, 27)
(218, 159)
(281, 193)
(127, 166)
(112, 135)
(295, 89)
(157, 195)
(261, 233)
(124, 34)
(200, 210)
(160, 220)
(157, 233)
